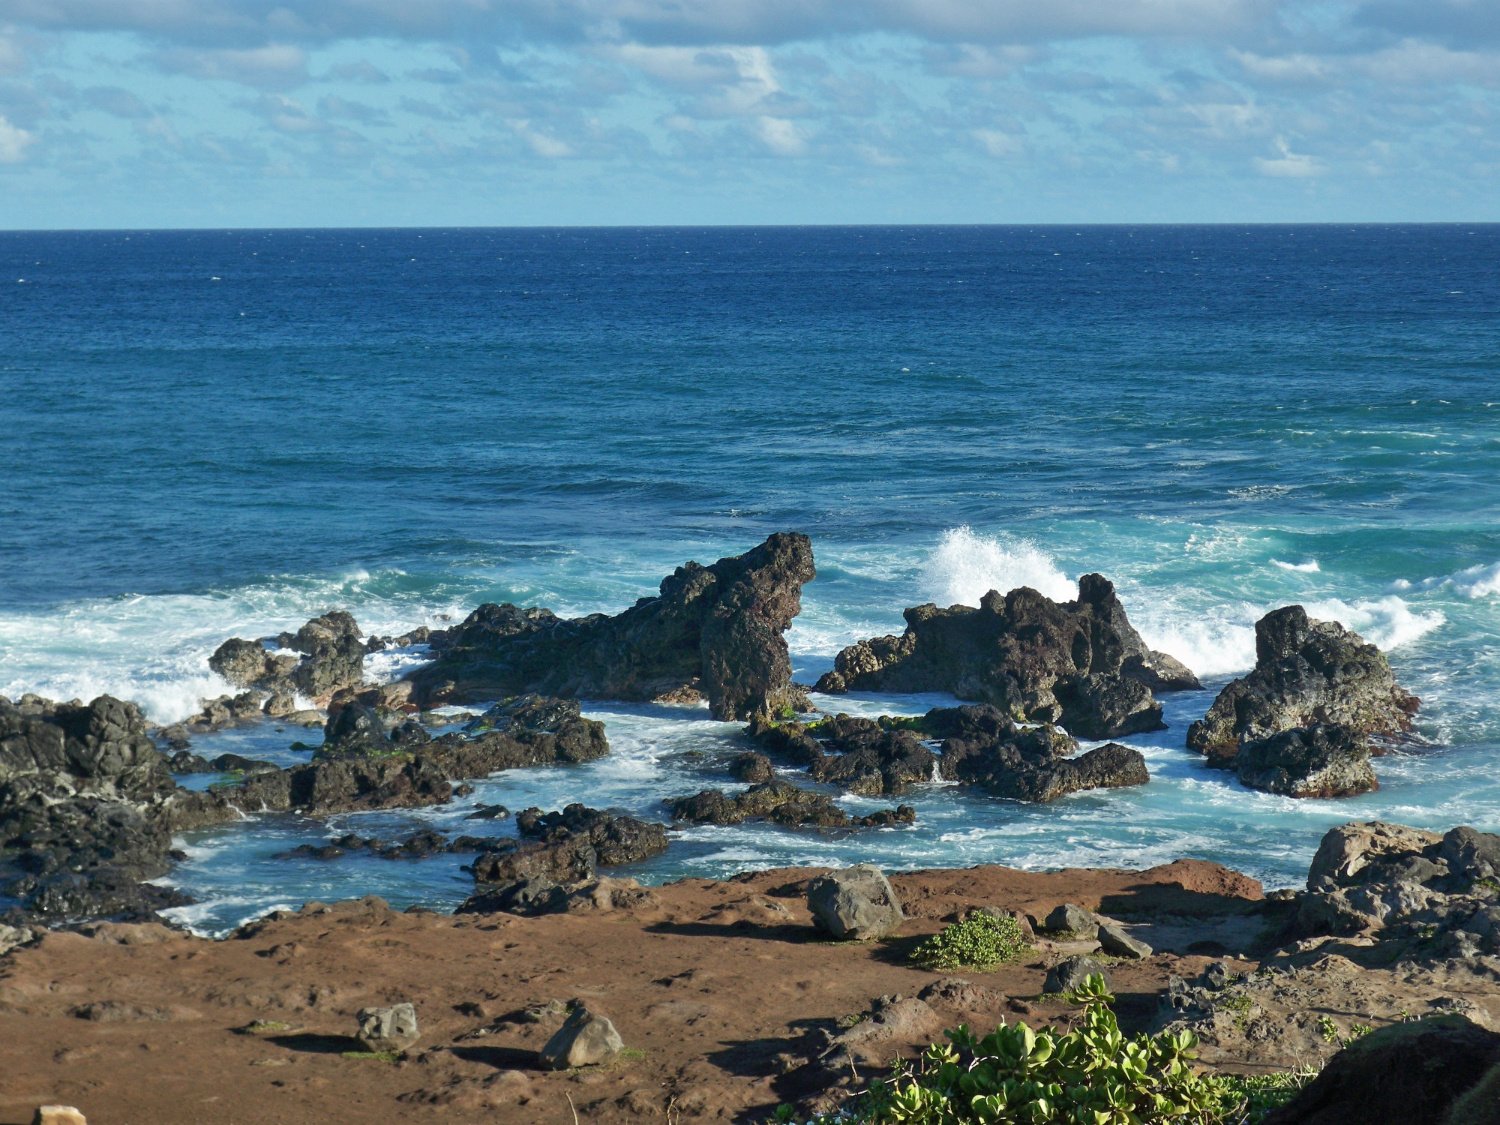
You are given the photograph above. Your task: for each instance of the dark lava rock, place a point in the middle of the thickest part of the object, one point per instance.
(83, 799)
(1306, 673)
(716, 629)
(1079, 664)
(981, 746)
(326, 654)
(361, 767)
(782, 803)
(751, 767)
(1405, 1072)
(1317, 761)
(567, 846)
(1068, 974)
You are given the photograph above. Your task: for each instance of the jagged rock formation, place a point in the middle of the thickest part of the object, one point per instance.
(979, 745)
(1420, 895)
(1318, 761)
(716, 630)
(361, 766)
(558, 851)
(83, 798)
(1306, 673)
(326, 654)
(781, 803)
(1079, 664)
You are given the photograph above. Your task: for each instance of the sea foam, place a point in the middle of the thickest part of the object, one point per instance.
(967, 565)
(1482, 581)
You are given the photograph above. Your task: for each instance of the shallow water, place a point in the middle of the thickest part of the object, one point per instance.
(224, 433)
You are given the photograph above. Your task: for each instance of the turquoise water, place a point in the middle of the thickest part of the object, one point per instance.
(223, 433)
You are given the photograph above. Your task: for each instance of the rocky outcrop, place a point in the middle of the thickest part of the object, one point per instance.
(1316, 761)
(362, 765)
(326, 654)
(978, 745)
(1079, 664)
(83, 798)
(1405, 892)
(715, 629)
(854, 904)
(1306, 673)
(713, 632)
(568, 846)
(781, 803)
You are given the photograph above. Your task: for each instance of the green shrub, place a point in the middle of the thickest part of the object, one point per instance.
(980, 941)
(1092, 1075)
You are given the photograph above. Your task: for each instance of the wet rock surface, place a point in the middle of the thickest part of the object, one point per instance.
(1317, 761)
(1080, 664)
(715, 630)
(1307, 673)
(781, 803)
(979, 746)
(321, 657)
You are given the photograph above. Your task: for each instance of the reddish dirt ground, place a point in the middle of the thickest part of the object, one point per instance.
(716, 987)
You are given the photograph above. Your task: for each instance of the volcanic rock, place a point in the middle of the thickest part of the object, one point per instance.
(1306, 672)
(388, 1029)
(1079, 664)
(782, 803)
(585, 1039)
(716, 629)
(1317, 761)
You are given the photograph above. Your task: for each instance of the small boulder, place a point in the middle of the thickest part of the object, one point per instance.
(1404, 1072)
(1069, 974)
(585, 1039)
(1115, 941)
(1070, 919)
(388, 1029)
(856, 903)
(58, 1115)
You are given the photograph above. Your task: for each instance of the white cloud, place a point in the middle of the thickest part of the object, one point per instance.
(540, 143)
(14, 142)
(781, 136)
(1289, 164)
(275, 66)
(997, 143)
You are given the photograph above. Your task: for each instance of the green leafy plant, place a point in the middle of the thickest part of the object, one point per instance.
(980, 941)
(1092, 1075)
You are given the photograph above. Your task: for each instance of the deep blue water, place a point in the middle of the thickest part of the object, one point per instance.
(218, 433)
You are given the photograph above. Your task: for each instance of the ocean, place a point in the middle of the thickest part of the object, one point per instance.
(222, 433)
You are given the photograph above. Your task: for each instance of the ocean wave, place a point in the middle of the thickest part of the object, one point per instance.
(967, 565)
(1309, 567)
(1387, 622)
(1482, 581)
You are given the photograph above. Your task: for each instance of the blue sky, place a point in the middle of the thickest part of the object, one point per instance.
(155, 113)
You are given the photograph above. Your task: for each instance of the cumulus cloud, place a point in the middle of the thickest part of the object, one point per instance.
(275, 66)
(14, 142)
(1288, 164)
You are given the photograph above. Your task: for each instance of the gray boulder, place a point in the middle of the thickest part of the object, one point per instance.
(1114, 940)
(855, 904)
(1071, 919)
(585, 1039)
(387, 1029)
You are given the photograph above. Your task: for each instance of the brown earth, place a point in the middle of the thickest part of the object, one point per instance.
(721, 990)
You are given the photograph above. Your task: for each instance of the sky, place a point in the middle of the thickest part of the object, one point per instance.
(294, 113)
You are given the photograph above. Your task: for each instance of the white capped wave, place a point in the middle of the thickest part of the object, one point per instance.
(1387, 622)
(967, 565)
(1309, 567)
(1215, 642)
(1482, 581)
(154, 649)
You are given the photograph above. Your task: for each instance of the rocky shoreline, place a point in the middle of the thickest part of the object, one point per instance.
(89, 807)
